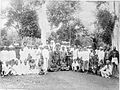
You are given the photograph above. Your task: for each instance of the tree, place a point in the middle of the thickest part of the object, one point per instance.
(62, 11)
(106, 21)
(23, 19)
(29, 24)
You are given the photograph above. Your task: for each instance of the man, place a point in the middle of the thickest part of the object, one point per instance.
(51, 66)
(75, 65)
(114, 55)
(75, 53)
(0, 67)
(80, 59)
(45, 54)
(63, 54)
(106, 71)
(101, 54)
(57, 57)
(63, 57)
(85, 58)
(69, 58)
(6, 69)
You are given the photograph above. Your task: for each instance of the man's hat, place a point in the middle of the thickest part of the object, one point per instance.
(107, 61)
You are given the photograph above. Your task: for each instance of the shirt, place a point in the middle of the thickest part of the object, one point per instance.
(85, 56)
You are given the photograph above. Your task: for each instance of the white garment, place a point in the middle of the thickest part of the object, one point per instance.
(6, 69)
(45, 54)
(101, 55)
(72, 49)
(22, 55)
(19, 69)
(97, 51)
(4, 55)
(85, 55)
(27, 68)
(26, 52)
(75, 54)
(15, 69)
(115, 60)
(79, 54)
(12, 55)
(74, 65)
(105, 71)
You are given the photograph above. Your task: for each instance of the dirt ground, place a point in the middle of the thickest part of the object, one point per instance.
(63, 80)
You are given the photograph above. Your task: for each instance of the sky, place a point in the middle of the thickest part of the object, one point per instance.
(4, 4)
(87, 15)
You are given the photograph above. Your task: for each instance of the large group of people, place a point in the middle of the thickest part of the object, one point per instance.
(44, 59)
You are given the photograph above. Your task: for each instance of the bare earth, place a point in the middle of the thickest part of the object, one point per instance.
(63, 80)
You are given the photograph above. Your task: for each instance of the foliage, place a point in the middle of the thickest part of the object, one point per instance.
(29, 23)
(60, 11)
(24, 20)
(106, 21)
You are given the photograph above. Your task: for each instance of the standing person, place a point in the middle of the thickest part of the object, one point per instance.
(63, 59)
(45, 54)
(51, 60)
(80, 59)
(63, 54)
(75, 53)
(114, 55)
(91, 55)
(101, 55)
(107, 55)
(57, 57)
(93, 62)
(85, 58)
(69, 58)
(0, 67)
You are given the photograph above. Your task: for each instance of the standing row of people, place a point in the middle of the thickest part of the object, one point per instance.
(39, 60)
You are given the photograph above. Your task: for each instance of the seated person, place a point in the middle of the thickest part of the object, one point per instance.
(106, 71)
(75, 65)
(6, 69)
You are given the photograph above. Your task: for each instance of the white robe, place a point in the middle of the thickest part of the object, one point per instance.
(26, 52)
(85, 56)
(12, 55)
(105, 71)
(15, 69)
(101, 55)
(22, 55)
(75, 54)
(5, 55)
(45, 54)
(79, 54)
(6, 69)
(19, 68)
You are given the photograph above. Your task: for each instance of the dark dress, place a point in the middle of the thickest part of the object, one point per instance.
(0, 67)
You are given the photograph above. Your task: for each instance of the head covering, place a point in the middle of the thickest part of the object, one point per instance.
(11, 46)
(101, 47)
(107, 61)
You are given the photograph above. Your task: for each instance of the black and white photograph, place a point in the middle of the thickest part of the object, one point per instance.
(59, 45)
